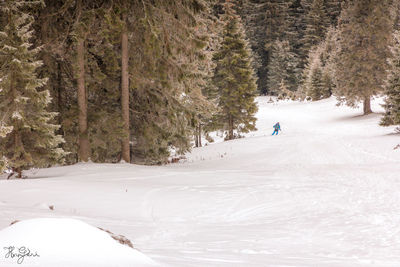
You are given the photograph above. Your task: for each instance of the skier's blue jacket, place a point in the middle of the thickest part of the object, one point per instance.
(277, 127)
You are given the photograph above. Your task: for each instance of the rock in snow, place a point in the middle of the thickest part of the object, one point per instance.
(64, 242)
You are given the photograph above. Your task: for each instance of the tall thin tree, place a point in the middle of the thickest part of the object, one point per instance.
(125, 89)
(234, 77)
(84, 146)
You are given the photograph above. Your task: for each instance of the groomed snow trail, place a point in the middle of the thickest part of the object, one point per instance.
(324, 192)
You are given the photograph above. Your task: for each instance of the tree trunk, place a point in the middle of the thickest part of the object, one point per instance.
(125, 93)
(82, 103)
(230, 134)
(199, 135)
(196, 138)
(19, 146)
(19, 172)
(46, 57)
(59, 99)
(367, 106)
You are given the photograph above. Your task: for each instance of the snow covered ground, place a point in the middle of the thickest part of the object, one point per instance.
(49, 242)
(324, 192)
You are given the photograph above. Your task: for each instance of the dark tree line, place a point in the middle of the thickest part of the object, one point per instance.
(113, 80)
(282, 34)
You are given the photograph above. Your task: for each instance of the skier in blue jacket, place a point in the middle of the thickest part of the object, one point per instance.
(277, 128)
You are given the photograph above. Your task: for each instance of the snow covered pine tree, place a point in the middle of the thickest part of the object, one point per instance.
(32, 141)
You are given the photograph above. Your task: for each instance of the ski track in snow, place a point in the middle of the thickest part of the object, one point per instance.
(324, 192)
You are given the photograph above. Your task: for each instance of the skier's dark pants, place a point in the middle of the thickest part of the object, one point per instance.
(276, 131)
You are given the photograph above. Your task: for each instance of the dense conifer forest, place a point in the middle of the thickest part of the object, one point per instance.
(141, 80)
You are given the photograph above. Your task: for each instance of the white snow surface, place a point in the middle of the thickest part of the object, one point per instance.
(324, 192)
(64, 243)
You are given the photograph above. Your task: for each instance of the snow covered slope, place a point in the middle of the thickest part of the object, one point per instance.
(64, 243)
(324, 192)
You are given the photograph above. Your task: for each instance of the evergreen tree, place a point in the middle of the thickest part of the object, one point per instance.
(125, 84)
(60, 26)
(166, 79)
(168, 63)
(360, 62)
(103, 82)
(234, 77)
(317, 25)
(282, 67)
(265, 22)
(285, 93)
(392, 85)
(116, 36)
(316, 89)
(317, 82)
(295, 31)
(32, 141)
(202, 99)
(53, 25)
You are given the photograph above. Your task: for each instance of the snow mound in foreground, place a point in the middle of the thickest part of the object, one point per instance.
(64, 242)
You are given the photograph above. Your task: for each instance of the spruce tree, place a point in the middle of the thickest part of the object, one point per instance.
(392, 85)
(53, 25)
(81, 30)
(317, 25)
(167, 74)
(317, 83)
(316, 89)
(360, 64)
(234, 77)
(282, 67)
(265, 22)
(103, 81)
(125, 86)
(62, 25)
(295, 31)
(116, 35)
(202, 98)
(32, 141)
(166, 78)
(285, 93)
